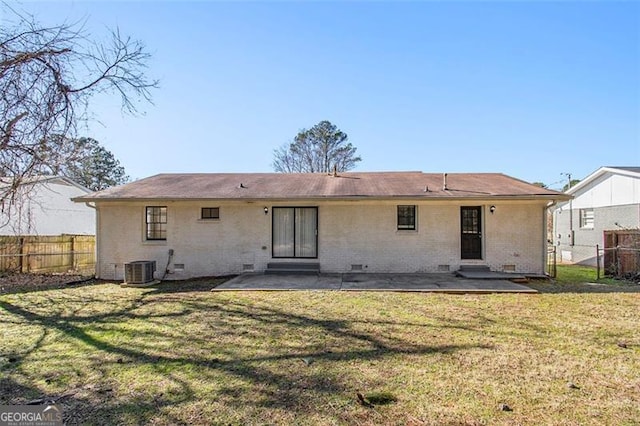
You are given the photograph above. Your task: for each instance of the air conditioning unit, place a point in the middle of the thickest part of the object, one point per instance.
(139, 272)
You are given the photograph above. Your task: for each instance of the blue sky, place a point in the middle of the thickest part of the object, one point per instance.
(530, 89)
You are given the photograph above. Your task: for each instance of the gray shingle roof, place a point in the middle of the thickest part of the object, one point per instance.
(628, 169)
(354, 185)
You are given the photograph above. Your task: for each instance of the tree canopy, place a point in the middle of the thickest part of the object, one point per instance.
(91, 165)
(48, 75)
(318, 149)
(570, 184)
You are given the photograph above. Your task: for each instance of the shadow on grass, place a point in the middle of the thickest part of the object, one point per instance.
(79, 406)
(270, 376)
(12, 392)
(190, 285)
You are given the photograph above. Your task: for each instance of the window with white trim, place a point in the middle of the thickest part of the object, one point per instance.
(156, 223)
(586, 218)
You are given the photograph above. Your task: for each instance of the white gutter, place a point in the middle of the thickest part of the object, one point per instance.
(551, 197)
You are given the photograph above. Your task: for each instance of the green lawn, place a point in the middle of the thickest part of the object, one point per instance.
(576, 278)
(162, 356)
(569, 274)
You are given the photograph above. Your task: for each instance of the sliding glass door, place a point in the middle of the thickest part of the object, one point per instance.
(295, 232)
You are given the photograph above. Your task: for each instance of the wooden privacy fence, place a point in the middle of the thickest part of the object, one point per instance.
(621, 252)
(45, 254)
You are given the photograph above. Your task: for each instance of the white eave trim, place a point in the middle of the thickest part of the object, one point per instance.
(556, 198)
(598, 173)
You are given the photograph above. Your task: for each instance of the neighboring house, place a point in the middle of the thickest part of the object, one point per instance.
(606, 200)
(217, 224)
(43, 206)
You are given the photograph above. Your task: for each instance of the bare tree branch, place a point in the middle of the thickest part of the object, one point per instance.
(48, 76)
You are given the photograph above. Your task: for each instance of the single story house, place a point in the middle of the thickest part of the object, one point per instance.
(405, 222)
(606, 200)
(42, 206)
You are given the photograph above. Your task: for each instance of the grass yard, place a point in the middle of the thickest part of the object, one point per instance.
(582, 279)
(180, 354)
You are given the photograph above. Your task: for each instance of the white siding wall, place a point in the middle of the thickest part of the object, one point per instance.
(615, 200)
(350, 233)
(608, 190)
(47, 209)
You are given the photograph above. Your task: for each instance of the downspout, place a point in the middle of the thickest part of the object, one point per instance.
(571, 234)
(545, 247)
(88, 204)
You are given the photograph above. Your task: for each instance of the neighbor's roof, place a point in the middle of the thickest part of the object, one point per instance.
(627, 169)
(355, 185)
(7, 181)
(632, 171)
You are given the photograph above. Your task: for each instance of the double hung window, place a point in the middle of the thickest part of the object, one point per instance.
(156, 223)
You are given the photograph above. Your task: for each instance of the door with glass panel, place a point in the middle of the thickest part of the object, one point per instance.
(471, 227)
(295, 232)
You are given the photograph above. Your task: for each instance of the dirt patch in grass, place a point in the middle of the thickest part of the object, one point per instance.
(162, 356)
(20, 283)
(16, 283)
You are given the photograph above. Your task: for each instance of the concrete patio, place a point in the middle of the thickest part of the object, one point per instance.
(442, 283)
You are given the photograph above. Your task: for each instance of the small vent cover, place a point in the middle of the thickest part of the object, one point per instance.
(509, 268)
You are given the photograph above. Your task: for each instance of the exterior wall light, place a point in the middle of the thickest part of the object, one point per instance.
(492, 209)
(266, 210)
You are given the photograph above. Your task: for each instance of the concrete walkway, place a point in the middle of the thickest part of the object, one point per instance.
(443, 283)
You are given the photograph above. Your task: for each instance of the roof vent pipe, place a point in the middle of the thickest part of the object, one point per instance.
(444, 182)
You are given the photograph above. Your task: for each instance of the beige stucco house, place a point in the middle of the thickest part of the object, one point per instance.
(218, 224)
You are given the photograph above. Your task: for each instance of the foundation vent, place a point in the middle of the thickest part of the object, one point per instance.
(356, 267)
(178, 266)
(444, 268)
(509, 268)
(247, 267)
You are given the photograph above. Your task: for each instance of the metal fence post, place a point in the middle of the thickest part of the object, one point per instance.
(598, 260)
(20, 253)
(73, 253)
